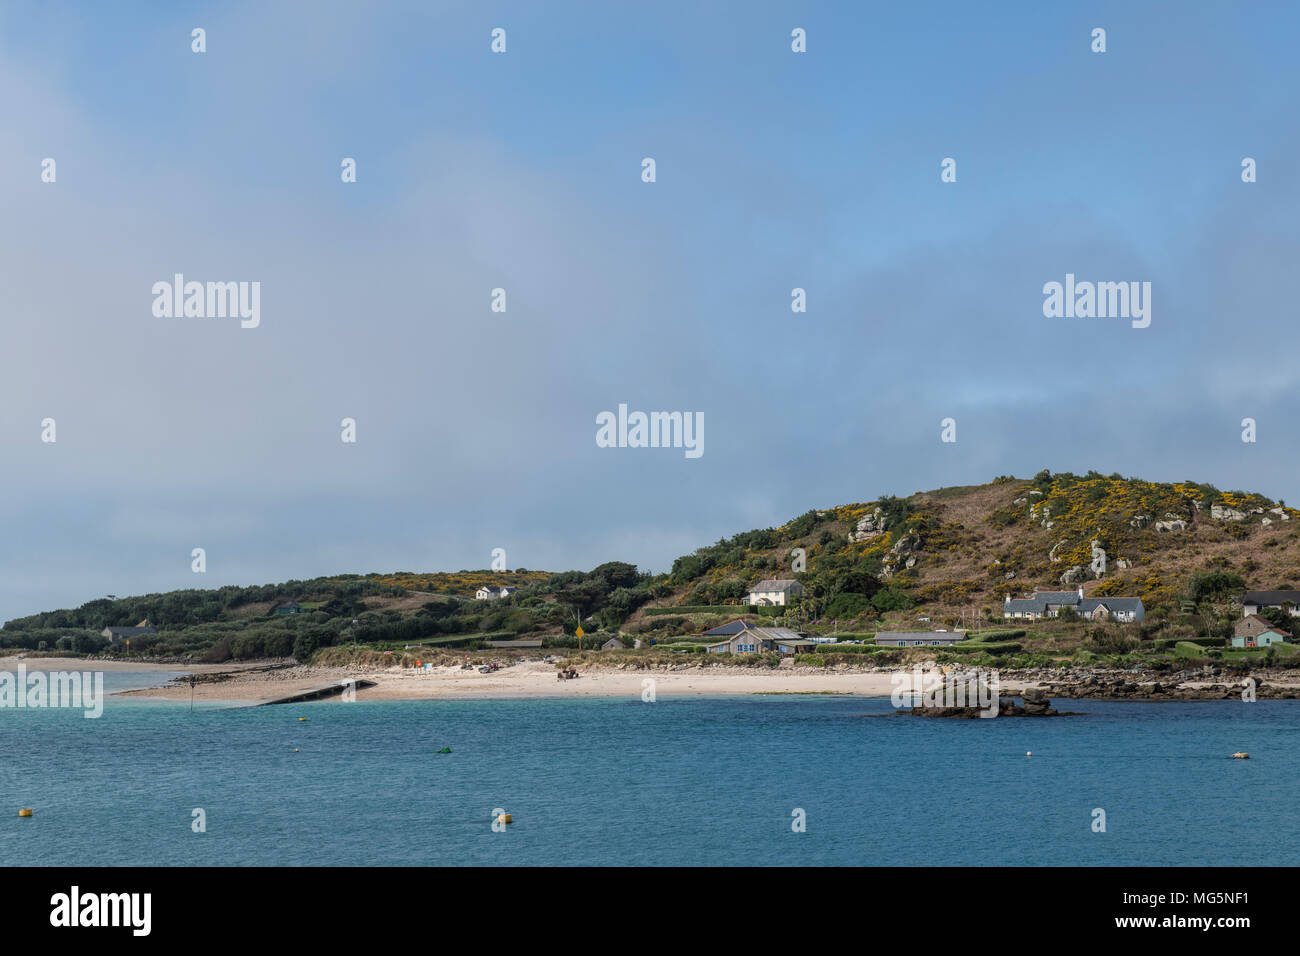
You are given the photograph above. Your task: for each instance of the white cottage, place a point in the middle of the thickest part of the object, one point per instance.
(775, 591)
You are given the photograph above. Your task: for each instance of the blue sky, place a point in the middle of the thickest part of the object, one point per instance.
(477, 429)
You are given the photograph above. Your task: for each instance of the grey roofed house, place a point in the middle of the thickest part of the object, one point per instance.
(919, 638)
(1125, 608)
(776, 584)
(1043, 604)
(613, 644)
(125, 633)
(728, 629)
(1019, 607)
(1271, 598)
(795, 645)
(1057, 597)
(1252, 601)
(752, 640)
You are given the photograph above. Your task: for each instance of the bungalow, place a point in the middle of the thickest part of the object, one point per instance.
(799, 645)
(756, 640)
(613, 644)
(727, 630)
(492, 592)
(1252, 602)
(290, 607)
(1044, 604)
(1110, 609)
(1254, 631)
(919, 638)
(125, 633)
(775, 591)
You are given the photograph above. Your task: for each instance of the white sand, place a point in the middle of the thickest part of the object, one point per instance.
(535, 679)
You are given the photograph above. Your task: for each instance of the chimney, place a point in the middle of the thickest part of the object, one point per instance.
(1006, 599)
(1080, 592)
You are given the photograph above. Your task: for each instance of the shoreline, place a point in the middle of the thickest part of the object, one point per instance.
(524, 681)
(251, 682)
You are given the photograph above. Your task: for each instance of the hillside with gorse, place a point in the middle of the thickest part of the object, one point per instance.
(942, 558)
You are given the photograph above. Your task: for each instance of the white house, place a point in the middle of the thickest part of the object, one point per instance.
(491, 592)
(775, 591)
(1252, 602)
(1043, 604)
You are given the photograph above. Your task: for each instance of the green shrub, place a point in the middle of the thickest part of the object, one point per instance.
(305, 645)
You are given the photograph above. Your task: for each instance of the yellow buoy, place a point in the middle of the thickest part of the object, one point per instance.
(1241, 756)
(24, 813)
(505, 818)
(295, 750)
(302, 718)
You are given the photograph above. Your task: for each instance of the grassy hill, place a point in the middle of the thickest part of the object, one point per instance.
(950, 555)
(954, 549)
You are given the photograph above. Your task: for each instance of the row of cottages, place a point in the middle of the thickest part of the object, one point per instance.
(1252, 602)
(743, 638)
(774, 591)
(1254, 631)
(126, 633)
(919, 638)
(492, 593)
(1043, 604)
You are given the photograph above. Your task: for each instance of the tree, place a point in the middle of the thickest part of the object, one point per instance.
(617, 574)
(306, 645)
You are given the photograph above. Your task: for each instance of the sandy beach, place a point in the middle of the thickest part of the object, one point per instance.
(256, 681)
(532, 679)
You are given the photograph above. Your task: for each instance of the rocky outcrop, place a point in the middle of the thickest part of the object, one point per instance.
(1072, 576)
(1035, 703)
(1139, 521)
(907, 544)
(1098, 565)
(1220, 513)
(1199, 683)
(870, 526)
(1171, 523)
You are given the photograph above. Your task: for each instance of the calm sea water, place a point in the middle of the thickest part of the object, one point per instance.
(682, 781)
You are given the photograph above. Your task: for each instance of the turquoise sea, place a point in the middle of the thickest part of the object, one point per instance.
(617, 781)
